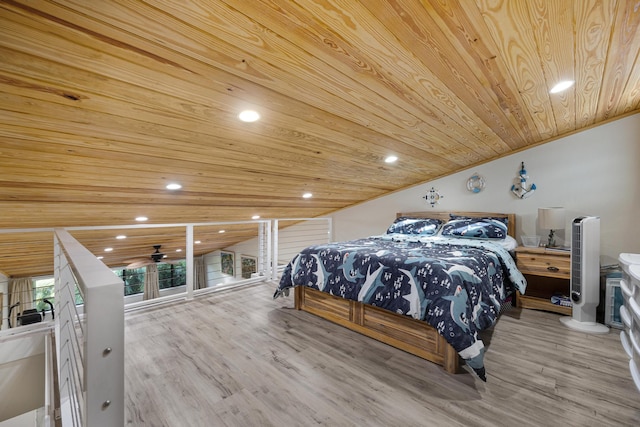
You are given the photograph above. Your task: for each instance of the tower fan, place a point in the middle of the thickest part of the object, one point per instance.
(585, 276)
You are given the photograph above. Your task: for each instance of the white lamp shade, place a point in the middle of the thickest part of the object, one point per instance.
(551, 218)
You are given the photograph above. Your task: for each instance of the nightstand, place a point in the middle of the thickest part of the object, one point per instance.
(548, 272)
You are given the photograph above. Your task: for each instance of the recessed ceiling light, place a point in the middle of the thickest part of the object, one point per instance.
(391, 159)
(197, 242)
(255, 217)
(249, 116)
(174, 186)
(221, 231)
(108, 249)
(100, 257)
(307, 195)
(178, 250)
(120, 237)
(141, 218)
(563, 85)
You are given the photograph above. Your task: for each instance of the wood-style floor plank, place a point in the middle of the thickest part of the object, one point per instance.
(239, 358)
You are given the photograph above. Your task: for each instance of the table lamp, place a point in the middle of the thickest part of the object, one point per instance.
(551, 219)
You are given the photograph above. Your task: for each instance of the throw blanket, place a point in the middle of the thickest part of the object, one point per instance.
(456, 285)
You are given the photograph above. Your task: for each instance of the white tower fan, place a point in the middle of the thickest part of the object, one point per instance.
(585, 276)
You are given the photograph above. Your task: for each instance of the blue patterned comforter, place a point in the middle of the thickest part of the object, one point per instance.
(456, 285)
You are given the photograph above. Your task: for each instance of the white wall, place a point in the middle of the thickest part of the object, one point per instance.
(22, 374)
(291, 240)
(27, 419)
(247, 248)
(594, 172)
(215, 276)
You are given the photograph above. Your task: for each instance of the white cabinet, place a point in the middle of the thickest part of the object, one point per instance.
(630, 312)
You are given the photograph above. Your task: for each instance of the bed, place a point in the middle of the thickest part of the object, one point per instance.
(428, 285)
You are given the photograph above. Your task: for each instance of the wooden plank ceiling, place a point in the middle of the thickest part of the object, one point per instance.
(105, 102)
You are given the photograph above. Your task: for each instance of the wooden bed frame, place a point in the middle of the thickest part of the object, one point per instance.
(403, 332)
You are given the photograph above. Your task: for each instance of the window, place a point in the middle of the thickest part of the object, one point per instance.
(133, 280)
(43, 289)
(169, 276)
(172, 275)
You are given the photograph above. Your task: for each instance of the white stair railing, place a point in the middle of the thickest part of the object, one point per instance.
(89, 344)
(291, 235)
(89, 347)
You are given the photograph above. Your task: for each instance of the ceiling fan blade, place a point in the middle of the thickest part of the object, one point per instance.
(156, 257)
(139, 264)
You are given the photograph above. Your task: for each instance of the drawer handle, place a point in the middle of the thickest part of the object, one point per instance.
(552, 268)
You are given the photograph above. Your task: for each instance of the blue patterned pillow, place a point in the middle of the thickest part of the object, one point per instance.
(502, 219)
(423, 226)
(476, 228)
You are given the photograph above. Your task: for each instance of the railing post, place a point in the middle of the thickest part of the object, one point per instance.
(268, 245)
(274, 258)
(189, 277)
(104, 364)
(90, 348)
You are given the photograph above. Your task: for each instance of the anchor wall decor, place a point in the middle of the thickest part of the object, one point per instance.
(520, 188)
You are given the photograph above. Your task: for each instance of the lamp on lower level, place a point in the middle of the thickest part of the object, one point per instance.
(551, 219)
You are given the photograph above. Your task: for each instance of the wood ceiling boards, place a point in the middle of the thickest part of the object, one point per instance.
(105, 102)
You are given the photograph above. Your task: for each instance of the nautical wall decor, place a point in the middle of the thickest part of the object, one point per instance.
(520, 188)
(433, 197)
(475, 183)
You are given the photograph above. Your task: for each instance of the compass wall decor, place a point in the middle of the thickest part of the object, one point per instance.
(433, 197)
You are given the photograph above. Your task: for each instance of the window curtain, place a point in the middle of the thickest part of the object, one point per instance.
(151, 286)
(20, 290)
(199, 273)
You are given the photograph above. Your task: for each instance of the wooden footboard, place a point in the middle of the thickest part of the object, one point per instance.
(413, 336)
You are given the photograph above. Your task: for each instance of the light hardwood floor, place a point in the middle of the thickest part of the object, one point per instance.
(239, 358)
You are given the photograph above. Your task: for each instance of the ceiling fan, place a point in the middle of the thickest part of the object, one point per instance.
(155, 258)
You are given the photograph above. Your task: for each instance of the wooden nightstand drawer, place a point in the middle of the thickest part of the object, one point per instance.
(544, 265)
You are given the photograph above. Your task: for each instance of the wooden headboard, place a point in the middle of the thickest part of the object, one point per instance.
(444, 216)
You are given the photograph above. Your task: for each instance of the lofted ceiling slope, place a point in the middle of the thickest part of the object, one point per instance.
(105, 102)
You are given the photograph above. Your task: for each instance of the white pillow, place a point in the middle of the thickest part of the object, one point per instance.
(509, 243)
